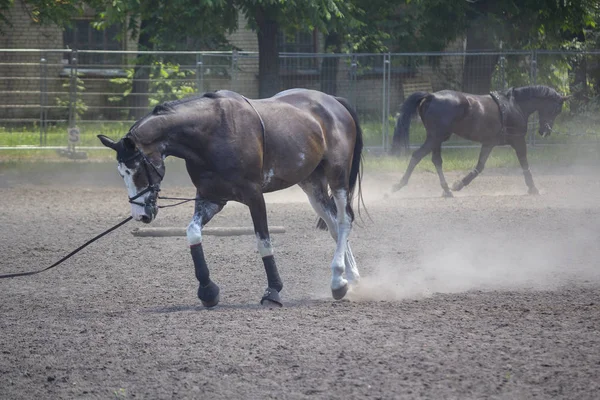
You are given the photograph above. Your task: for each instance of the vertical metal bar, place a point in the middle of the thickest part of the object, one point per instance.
(353, 71)
(199, 83)
(384, 99)
(503, 71)
(42, 97)
(388, 101)
(234, 63)
(73, 89)
(533, 82)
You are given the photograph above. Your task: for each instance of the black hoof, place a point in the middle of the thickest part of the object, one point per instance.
(533, 191)
(271, 298)
(447, 194)
(339, 294)
(209, 295)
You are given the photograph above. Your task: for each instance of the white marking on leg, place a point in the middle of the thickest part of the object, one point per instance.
(343, 222)
(352, 273)
(267, 177)
(323, 213)
(264, 246)
(137, 211)
(194, 232)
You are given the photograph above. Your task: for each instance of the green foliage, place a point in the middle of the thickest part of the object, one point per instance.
(65, 102)
(168, 81)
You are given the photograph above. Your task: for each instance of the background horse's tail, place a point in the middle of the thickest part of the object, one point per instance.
(355, 170)
(407, 111)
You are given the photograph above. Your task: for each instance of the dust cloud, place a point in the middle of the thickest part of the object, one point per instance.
(473, 263)
(551, 242)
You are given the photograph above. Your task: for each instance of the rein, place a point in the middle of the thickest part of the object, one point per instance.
(77, 250)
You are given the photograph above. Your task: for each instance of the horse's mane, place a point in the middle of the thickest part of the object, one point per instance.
(169, 107)
(527, 92)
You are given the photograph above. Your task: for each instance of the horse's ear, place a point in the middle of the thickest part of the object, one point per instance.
(128, 144)
(108, 142)
(565, 98)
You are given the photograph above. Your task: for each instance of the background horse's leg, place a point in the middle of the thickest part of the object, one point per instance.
(415, 159)
(436, 159)
(258, 211)
(486, 149)
(208, 291)
(521, 149)
(316, 191)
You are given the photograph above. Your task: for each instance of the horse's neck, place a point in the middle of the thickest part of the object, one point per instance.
(528, 106)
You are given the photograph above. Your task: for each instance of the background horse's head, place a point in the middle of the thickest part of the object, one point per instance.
(548, 103)
(142, 174)
(548, 111)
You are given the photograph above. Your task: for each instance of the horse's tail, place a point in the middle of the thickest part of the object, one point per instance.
(407, 111)
(355, 169)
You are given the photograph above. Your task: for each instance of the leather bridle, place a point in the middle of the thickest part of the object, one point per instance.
(149, 204)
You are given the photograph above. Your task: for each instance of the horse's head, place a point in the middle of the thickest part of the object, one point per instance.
(548, 110)
(142, 174)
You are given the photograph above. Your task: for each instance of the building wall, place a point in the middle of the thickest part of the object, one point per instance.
(21, 72)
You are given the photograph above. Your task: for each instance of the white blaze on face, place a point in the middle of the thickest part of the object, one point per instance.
(137, 211)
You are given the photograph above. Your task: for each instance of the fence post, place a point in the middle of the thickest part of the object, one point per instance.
(43, 100)
(533, 82)
(199, 74)
(353, 68)
(388, 100)
(503, 71)
(234, 63)
(384, 108)
(73, 89)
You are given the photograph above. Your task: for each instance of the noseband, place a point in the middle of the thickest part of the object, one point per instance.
(153, 187)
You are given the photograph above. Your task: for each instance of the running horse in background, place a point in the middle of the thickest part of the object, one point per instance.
(499, 118)
(236, 149)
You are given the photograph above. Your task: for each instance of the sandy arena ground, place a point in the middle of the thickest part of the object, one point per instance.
(492, 294)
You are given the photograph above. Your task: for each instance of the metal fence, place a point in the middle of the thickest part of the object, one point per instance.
(48, 92)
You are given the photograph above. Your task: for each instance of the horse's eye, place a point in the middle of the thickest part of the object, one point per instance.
(128, 172)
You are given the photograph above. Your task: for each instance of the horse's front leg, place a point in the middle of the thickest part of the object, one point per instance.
(521, 149)
(258, 211)
(208, 291)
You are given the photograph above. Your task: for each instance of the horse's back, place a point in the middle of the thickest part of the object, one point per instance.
(334, 117)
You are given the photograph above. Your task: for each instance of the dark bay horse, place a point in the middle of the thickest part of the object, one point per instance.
(499, 118)
(236, 149)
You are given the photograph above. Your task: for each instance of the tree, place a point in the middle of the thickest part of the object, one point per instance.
(517, 24)
(270, 17)
(45, 12)
(165, 25)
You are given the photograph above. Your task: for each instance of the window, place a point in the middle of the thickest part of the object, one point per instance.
(301, 42)
(83, 36)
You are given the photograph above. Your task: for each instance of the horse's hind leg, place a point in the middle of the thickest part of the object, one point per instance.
(415, 159)
(436, 158)
(486, 149)
(208, 291)
(326, 210)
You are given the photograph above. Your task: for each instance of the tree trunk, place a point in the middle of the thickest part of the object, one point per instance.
(138, 99)
(268, 54)
(478, 69)
(330, 65)
(578, 86)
